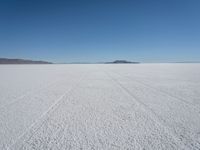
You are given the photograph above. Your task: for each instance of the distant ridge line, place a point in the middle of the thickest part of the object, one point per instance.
(22, 61)
(122, 62)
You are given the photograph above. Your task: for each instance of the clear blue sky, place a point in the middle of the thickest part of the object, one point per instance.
(100, 30)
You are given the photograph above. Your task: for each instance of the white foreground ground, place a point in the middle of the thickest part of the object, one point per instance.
(143, 106)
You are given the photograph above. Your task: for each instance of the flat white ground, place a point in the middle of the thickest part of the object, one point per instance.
(143, 106)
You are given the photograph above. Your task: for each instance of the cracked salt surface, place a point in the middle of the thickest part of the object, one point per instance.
(143, 106)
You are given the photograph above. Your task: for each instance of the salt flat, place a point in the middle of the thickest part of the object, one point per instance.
(100, 106)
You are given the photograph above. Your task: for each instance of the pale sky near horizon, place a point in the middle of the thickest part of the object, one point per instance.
(100, 30)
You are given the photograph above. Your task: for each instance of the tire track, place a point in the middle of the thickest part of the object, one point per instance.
(194, 142)
(164, 93)
(152, 114)
(87, 106)
(51, 108)
(17, 99)
(196, 107)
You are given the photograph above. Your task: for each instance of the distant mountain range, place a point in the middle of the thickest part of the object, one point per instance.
(122, 62)
(21, 61)
(26, 61)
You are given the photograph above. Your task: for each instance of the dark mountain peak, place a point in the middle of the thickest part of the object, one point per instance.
(122, 62)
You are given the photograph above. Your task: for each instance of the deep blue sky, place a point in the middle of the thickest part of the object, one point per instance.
(100, 30)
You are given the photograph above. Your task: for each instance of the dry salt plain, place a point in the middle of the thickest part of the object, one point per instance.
(141, 106)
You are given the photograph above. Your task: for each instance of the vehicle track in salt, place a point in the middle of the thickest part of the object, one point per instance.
(64, 123)
(151, 113)
(105, 111)
(51, 108)
(194, 144)
(29, 92)
(164, 92)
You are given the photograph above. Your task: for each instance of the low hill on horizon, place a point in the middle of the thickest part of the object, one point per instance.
(122, 62)
(22, 61)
